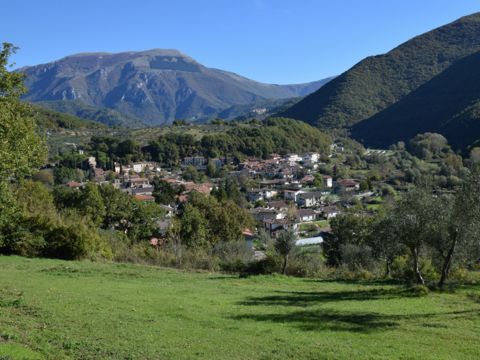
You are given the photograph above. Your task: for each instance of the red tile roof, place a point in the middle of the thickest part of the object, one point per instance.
(73, 184)
(142, 197)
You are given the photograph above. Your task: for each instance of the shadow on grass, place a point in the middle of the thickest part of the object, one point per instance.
(318, 319)
(356, 281)
(334, 320)
(305, 298)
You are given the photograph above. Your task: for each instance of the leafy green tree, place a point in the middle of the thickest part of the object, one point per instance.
(365, 185)
(35, 199)
(118, 207)
(63, 174)
(128, 148)
(206, 221)
(21, 149)
(318, 182)
(413, 218)
(225, 219)
(75, 239)
(429, 145)
(91, 204)
(229, 222)
(36, 217)
(384, 242)
(45, 177)
(163, 192)
(65, 197)
(143, 221)
(284, 244)
(228, 189)
(211, 170)
(456, 223)
(191, 174)
(347, 229)
(193, 227)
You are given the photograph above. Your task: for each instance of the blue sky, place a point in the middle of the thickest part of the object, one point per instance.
(276, 41)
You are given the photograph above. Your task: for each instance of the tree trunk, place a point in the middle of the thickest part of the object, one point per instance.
(447, 264)
(284, 268)
(416, 267)
(388, 263)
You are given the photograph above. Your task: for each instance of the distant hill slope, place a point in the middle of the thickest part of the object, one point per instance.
(49, 120)
(448, 104)
(153, 87)
(379, 81)
(101, 115)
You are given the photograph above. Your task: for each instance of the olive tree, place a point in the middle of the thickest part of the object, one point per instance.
(284, 245)
(457, 223)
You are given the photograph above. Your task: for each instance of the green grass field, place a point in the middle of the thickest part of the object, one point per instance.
(54, 310)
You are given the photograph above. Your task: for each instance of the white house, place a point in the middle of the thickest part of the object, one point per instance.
(291, 194)
(305, 215)
(92, 162)
(169, 211)
(329, 212)
(311, 158)
(328, 180)
(309, 199)
(261, 214)
(261, 194)
(274, 226)
(139, 167)
(349, 184)
(293, 158)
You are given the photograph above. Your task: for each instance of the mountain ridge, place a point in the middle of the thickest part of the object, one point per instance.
(379, 81)
(448, 104)
(155, 86)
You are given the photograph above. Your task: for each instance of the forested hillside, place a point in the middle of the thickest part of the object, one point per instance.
(379, 81)
(448, 104)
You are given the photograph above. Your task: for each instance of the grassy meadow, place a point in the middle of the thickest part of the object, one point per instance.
(52, 309)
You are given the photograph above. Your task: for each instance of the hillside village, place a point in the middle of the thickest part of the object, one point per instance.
(290, 193)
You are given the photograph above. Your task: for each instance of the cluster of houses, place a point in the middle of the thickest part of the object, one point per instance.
(136, 180)
(289, 196)
(296, 206)
(289, 191)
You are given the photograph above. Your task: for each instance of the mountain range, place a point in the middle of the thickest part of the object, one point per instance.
(151, 87)
(397, 95)
(430, 83)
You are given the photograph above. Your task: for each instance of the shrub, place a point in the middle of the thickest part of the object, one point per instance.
(26, 236)
(23, 242)
(419, 290)
(344, 273)
(200, 259)
(233, 256)
(118, 243)
(269, 265)
(308, 262)
(401, 269)
(464, 276)
(75, 240)
(357, 257)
